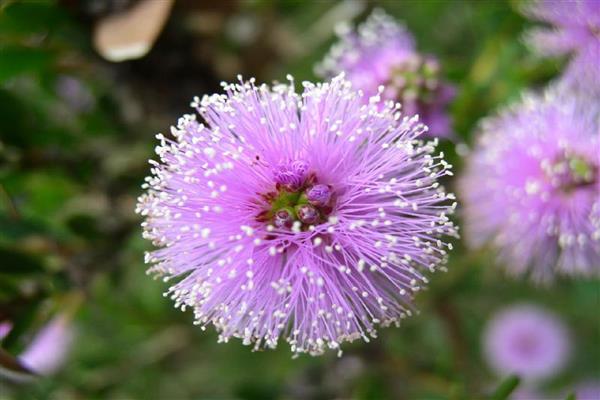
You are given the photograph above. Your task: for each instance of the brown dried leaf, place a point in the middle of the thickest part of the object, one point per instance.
(131, 34)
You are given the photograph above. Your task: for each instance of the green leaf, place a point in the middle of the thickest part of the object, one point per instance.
(17, 60)
(506, 388)
(30, 17)
(15, 120)
(41, 194)
(18, 262)
(85, 226)
(15, 229)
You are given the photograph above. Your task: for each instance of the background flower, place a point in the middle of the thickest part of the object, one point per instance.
(574, 31)
(531, 186)
(527, 341)
(381, 53)
(50, 347)
(45, 353)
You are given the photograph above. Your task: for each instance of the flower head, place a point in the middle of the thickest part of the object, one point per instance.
(532, 186)
(381, 54)
(526, 340)
(311, 216)
(576, 31)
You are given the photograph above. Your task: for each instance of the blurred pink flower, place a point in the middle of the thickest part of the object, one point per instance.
(531, 184)
(574, 30)
(75, 93)
(5, 327)
(382, 52)
(527, 341)
(49, 349)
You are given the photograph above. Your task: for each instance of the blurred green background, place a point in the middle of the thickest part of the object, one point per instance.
(76, 132)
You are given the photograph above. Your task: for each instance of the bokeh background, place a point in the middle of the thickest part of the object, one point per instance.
(76, 131)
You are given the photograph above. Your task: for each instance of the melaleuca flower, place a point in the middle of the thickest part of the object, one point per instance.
(380, 58)
(527, 341)
(311, 216)
(532, 187)
(576, 31)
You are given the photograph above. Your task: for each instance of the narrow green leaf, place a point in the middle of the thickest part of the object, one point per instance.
(506, 388)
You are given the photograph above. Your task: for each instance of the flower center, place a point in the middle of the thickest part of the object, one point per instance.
(571, 171)
(298, 200)
(595, 30)
(526, 344)
(415, 79)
